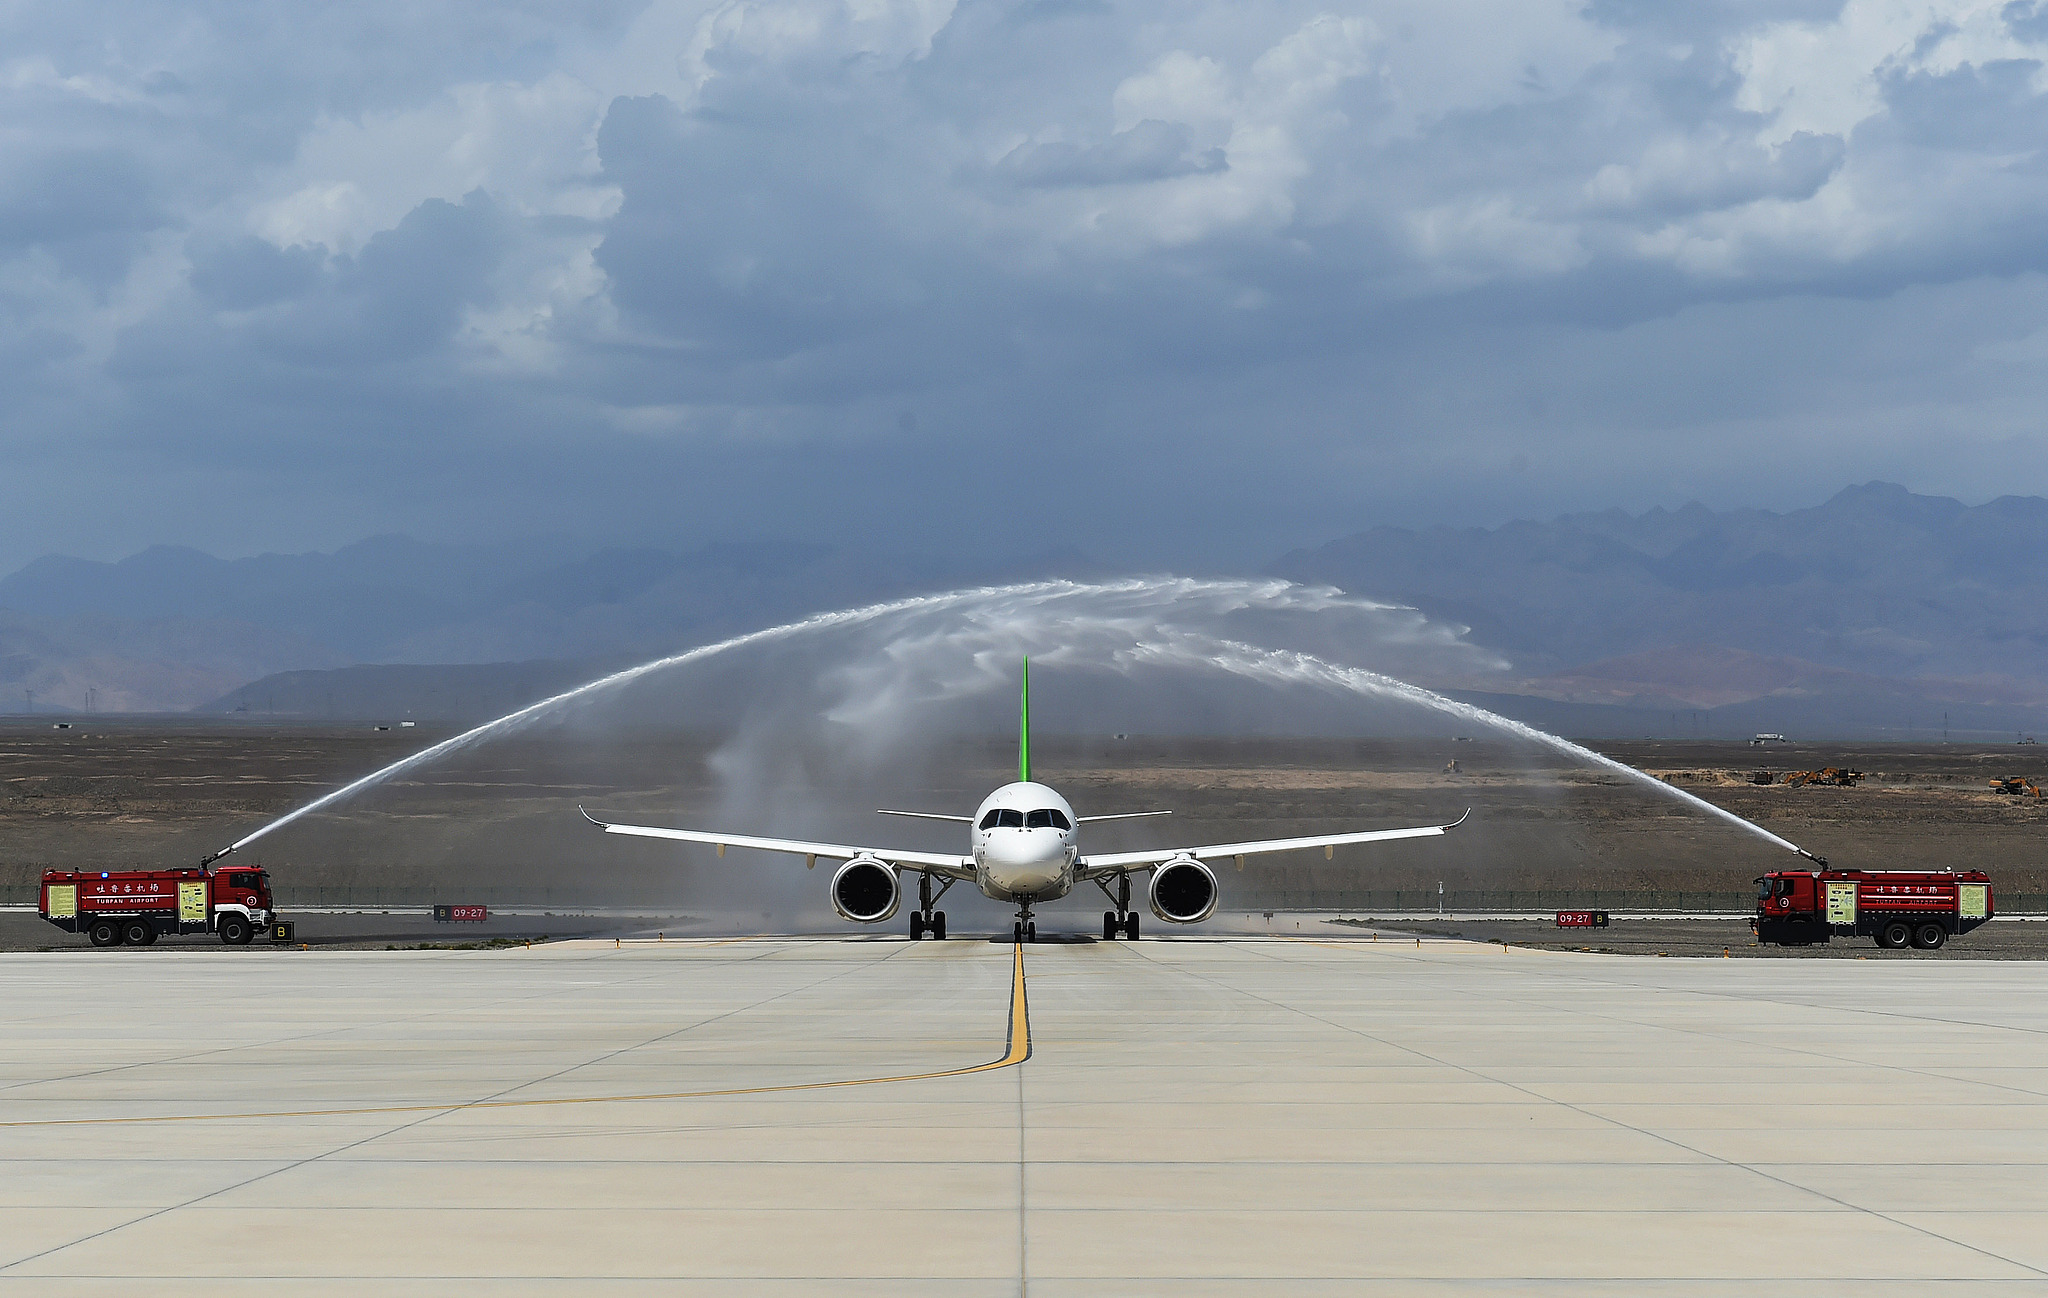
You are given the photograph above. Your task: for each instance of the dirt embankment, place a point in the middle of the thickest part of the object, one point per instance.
(501, 821)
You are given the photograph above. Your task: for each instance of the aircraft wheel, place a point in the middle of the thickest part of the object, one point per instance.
(1031, 932)
(1109, 926)
(939, 925)
(1929, 937)
(916, 926)
(1017, 931)
(104, 932)
(1131, 926)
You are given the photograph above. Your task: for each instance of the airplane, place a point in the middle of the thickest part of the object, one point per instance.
(1023, 848)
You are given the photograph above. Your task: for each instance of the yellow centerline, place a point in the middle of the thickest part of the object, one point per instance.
(1016, 1049)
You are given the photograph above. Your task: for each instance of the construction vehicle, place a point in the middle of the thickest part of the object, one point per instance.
(2017, 785)
(1832, 776)
(1763, 777)
(1898, 908)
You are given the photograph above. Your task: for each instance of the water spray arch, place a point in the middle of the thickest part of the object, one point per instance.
(1128, 626)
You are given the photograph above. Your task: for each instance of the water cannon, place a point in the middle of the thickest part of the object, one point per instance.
(1820, 861)
(209, 860)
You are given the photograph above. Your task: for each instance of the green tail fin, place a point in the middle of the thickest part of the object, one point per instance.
(1024, 727)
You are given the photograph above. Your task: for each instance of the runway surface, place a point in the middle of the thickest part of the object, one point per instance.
(1245, 1116)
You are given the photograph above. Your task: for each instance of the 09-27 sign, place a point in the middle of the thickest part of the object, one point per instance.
(1582, 919)
(444, 914)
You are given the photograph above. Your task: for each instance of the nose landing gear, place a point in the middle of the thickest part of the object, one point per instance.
(1025, 929)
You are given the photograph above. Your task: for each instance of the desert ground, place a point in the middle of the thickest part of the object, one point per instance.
(498, 823)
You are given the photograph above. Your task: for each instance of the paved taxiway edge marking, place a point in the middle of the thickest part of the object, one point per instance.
(1016, 1049)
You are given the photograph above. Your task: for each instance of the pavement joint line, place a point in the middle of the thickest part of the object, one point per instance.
(691, 1027)
(1023, 1186)
(1709, 994)
(1846, 1008)
(1746, 1041)
(1753, 1169)
(215, 1193)
(1017, 1049)
(307, 1036)
(1791, 1048)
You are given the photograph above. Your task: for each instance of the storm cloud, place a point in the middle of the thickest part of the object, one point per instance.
(1174, 283)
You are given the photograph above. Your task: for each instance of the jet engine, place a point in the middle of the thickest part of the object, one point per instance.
(866, 890)
(1184, 891)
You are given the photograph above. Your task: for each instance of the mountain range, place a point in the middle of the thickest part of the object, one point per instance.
(1877, 610)
(174, 629)
(1890, 604)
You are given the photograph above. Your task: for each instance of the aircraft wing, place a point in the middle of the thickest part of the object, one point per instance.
(940, 863)
(1097, 867)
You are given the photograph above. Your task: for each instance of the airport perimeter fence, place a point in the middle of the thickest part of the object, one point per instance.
(1543, 900)
(288, 897)
(1356, 901)
(1515, 900)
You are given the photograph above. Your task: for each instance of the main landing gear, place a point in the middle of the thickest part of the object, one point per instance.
(1123, 919)
(924, 921)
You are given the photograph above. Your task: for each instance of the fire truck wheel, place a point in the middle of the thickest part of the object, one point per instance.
(1895, 935)
(104, 932)
(138, 932)
(235, 931)
(1929, 937)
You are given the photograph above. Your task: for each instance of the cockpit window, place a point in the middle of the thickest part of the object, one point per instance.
(1004, 818)
(1047, 818)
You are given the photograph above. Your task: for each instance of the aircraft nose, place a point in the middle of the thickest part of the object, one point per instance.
(1029, 858)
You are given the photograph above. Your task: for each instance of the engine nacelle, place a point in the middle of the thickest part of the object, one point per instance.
(865, 890)
(1184, 891)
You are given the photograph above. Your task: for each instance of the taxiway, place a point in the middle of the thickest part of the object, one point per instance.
(1249, 1115)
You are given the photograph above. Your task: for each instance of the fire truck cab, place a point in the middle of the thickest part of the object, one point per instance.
(1895, 908)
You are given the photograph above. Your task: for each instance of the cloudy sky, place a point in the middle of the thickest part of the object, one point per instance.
(1173, 282)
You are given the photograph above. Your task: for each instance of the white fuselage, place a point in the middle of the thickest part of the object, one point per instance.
(1024, 844)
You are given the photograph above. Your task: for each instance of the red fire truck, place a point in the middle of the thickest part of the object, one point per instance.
(1899, 908)
(134, 906)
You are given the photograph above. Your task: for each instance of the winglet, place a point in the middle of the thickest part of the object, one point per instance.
(592, 819)
(1460, 820)
(1024, 727)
